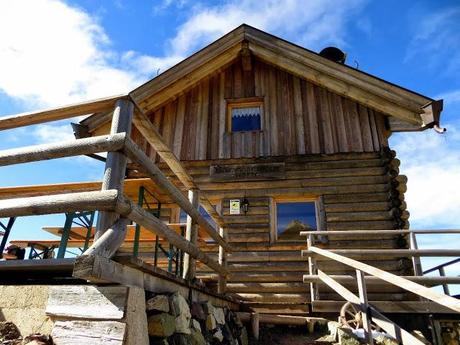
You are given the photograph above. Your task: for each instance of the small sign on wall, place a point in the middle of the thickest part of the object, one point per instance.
(234, 206)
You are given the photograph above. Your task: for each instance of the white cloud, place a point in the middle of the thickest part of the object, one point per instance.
(311, 23)
(432, 164)
(53, 53)
(450, 97)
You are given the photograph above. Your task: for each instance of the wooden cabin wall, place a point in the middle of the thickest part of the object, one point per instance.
(299, 118)
(360, 191)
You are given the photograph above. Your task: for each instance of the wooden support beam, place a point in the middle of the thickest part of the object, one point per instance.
(255, 325)
(110, 241)
(191, 235)
(364, 307)
(62, 149)
(59, 203)
(104, 270)
(154, 138)
(137, 155)
(383, 322)
(222, 283)
(60, 113)
(130, 210)
(114, 175)
(405, 284)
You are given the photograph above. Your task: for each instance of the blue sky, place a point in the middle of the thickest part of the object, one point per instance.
(58, 52)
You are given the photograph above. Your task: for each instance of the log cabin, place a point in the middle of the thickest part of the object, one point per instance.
(260, 160)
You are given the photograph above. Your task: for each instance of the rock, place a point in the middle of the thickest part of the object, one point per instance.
(183, 324)
(198, 312)
(158, 303)
(219, 316)
(197, 338)
(196, 325)
(38, 339)
(180, 305)
(243, 340)
(208, 308)
(383, 340)
(180, 339)
(211, 323)
(9, 331)
(159, 341)
(346, 337)
(161, 325)
(332, 327)
(218, 335)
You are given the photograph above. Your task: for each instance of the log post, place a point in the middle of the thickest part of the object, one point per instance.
(223, 262)
(222, 283)
(115, 166)
(255, 325)
(312, 270)
(364, 306)
(191, 235)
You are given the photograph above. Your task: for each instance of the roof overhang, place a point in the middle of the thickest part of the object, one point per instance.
(407, 109)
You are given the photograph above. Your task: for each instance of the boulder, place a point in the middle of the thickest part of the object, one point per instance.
(161, 325)
(346, 337)
(9, 331)
(243, 339)
(332, 327)
(218, 335)
(38, 339)
(196, 325)
(183, 324)
(211, 323)
(179, 306)
(197, 311)
(384, 340)
(158, 303)
(219, 315)
(197, 338)
(208, 308)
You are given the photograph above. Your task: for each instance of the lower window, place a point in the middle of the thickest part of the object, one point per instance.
(293, 217)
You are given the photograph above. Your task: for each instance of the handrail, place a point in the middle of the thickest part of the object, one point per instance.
(378, 232)
(436, 268)
(393, 279)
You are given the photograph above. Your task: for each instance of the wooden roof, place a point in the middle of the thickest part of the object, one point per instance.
(410, 110)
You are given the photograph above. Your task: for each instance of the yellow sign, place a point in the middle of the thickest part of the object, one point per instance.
(235, 206)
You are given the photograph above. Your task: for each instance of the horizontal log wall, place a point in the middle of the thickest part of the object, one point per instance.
(361, 191)
(298, 117)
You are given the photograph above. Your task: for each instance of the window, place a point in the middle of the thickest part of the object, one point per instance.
(293, 217)
(245, 115)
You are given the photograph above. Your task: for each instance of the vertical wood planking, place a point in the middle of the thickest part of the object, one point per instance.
(374, 131)
(298, 118)
(365, 129)
(353, 117)
(299, 126)
(179, 128)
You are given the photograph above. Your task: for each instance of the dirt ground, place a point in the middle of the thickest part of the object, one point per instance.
(289, 336)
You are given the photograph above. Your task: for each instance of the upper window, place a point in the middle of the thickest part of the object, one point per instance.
(293, 217)
(245, 115)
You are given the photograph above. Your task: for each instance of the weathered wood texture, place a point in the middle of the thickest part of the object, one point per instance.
(88, 332)
(298, 117)
(85, 302)
(359, 191)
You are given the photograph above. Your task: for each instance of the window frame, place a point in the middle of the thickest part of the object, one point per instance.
(248, 102)
(317, 201)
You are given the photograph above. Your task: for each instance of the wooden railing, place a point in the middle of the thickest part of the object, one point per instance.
(116, 210)
(410, 284)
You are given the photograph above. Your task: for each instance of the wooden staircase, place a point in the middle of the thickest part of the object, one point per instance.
(354, 288)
